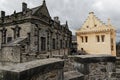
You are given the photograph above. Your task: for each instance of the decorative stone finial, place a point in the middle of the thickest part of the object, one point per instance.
(44, 2)
(15, 12)
(109, 22)
(67, 24)
(91, 12)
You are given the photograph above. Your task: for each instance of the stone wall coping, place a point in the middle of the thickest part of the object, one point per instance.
(55, 63)
(94, 58)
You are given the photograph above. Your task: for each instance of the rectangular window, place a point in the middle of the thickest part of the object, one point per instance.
(111, 41)
(28, 39)
(103, 38)
(35, 32)
(60, 43)
(66, 43)
(23, 48)
(82, 39)
(9, 39)
(43, 43)
(98, 38)
(53, 43)
(112, 47)
(86, 39)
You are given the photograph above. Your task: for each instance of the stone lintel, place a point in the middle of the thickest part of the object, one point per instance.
(94, 58)
(27, 70)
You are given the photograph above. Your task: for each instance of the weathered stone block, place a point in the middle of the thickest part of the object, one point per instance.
(73, 75)
(47, 69)
(95, 67)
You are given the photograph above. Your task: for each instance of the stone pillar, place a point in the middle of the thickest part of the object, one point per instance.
(95, 67)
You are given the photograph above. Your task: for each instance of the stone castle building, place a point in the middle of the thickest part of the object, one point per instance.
(29, 34)
(95, 37)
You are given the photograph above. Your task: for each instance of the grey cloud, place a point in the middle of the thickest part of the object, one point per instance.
(75, 11)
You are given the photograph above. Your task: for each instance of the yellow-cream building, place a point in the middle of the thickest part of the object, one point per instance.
(95, 37)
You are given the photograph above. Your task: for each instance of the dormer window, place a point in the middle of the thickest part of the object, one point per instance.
(87, 26)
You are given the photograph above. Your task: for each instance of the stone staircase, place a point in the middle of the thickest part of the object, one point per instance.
(118, 68)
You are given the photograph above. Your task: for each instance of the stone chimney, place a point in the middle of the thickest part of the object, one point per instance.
(2, 14)
(24, 6)
(56, 19)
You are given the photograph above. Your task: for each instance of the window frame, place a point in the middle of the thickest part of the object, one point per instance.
(43, 43)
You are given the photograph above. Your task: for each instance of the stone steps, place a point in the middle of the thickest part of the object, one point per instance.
(118, 68)
(118, 73)
(73, 75)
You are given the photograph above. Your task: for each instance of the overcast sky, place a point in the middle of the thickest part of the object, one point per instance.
(74, 11)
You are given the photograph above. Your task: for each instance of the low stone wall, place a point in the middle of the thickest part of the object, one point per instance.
(95, 67)
(47, 69)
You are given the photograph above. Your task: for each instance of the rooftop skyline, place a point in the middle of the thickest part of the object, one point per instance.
(74, 11)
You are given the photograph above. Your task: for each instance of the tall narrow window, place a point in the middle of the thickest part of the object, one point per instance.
(60, 43)
(66, 42)
(16, 31)
(103, 38)
(53, 43)
(35, 32)
(28, 38)
(86, 39)
(111, 41)
(4, 30)
(112, 47)
(43, 43)
(98, 38)
(82, 39)
(9, 39)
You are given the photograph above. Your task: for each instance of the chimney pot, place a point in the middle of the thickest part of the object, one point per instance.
(56, 19)
(2, 14)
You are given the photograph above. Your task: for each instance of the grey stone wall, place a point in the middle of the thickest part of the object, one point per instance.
(10, 54)
(95, 67)
(47, 69)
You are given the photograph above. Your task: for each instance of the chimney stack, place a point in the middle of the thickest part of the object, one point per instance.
(2, 14)
(56, 19)
(24, 6)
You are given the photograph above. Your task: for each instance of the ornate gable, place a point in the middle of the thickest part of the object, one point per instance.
(41, 10)
(93, 24)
